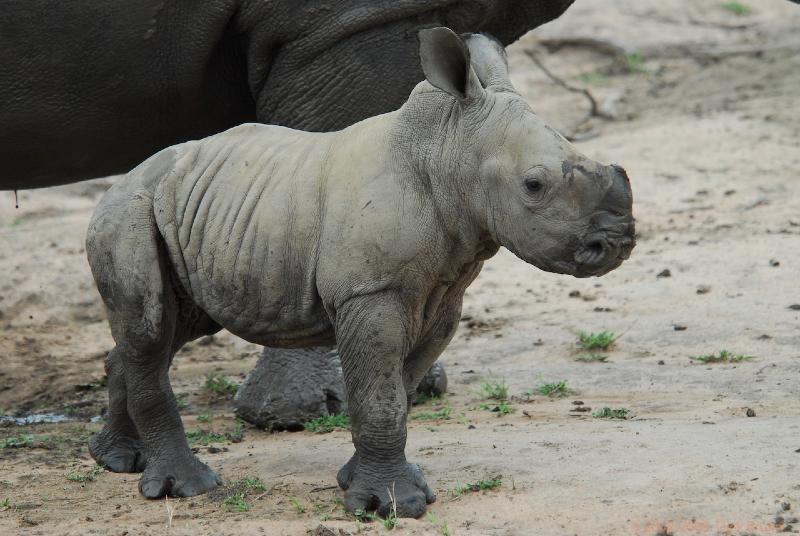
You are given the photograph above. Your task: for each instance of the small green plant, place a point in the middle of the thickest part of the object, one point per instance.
(88, 476)
(205, 437)
(596, 341)
(495, 391)
(480, 485)
(6, 504)
(442, 414)
(723, 357)
(423, 398)
(182, 400)
(18, 441)
(253, 483)
(635, 62)
(390, 521)
(737, 8)
(555, 389)
(235, 503)
(502, 408)
(328, 423)
(205, 417)
(363, 515)
(221, 386)
(608, 413)
(297, 506)
(444, 530)
(592, 358)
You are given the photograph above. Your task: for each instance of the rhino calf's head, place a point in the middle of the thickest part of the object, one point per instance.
(520, 181)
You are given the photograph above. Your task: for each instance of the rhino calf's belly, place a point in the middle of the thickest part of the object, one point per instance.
(240, 235)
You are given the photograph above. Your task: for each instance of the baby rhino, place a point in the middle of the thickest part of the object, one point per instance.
(365, 238)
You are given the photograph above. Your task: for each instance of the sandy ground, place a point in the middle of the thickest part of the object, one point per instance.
(708, 127)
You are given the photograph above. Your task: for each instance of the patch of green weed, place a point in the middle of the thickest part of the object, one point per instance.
(609, 413)
(555, 389)
(299, 508)
(328, 423)
(495, 391)
(18, 441)
(723, 357)
(221, 385)
(235, 503)
(88, 476)
(480, 485)
(444, 530)
(442, 414)
(596, 341)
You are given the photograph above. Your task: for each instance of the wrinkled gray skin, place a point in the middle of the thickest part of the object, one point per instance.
(367, 237)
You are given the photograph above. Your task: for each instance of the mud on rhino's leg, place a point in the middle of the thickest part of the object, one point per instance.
(130, 269)
(374, 338)
(117, 446)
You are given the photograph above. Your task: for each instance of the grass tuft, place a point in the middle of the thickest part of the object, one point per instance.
(88, 476)
(328, 423)
(608, 413)
(441, 415)
(597, 341)
(18, 441)
(502, 408)
(555, 389)
(723, 356)
(444, 530)
(495, 391)
(235, 503)
(480, 485)
(221, 385)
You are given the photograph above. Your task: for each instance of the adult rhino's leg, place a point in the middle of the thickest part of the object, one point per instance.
(374, 338)
(130, 269)
(290, 387)
(117, 446)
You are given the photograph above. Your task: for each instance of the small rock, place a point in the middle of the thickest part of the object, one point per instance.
(575, 294)
(703, 289)
(577, 402)
(679, 327)
(471, 427)
(660, 361)
(795, 307)
(786, 506)
(664, 273)
(774, 262)
(750, 412)
(764, 337)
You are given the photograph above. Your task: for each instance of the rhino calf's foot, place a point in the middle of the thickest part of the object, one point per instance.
(118, 446)
(184, 477)
(118, 449)
(381, 488)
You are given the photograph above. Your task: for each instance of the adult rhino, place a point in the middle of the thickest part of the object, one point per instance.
(99, 87)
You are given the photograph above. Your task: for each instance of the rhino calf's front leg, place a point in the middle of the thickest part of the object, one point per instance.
(375, 335)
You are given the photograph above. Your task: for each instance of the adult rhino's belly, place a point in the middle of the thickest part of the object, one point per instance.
(240, 254)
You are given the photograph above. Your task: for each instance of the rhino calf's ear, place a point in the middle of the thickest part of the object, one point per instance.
(445, 61)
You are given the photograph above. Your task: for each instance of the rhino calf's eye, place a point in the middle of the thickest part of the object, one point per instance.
(534, 186)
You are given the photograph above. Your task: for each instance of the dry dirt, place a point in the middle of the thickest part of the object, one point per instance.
(707, 125)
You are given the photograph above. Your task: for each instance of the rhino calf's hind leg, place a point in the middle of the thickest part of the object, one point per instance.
(149, 322)
(117, 446)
